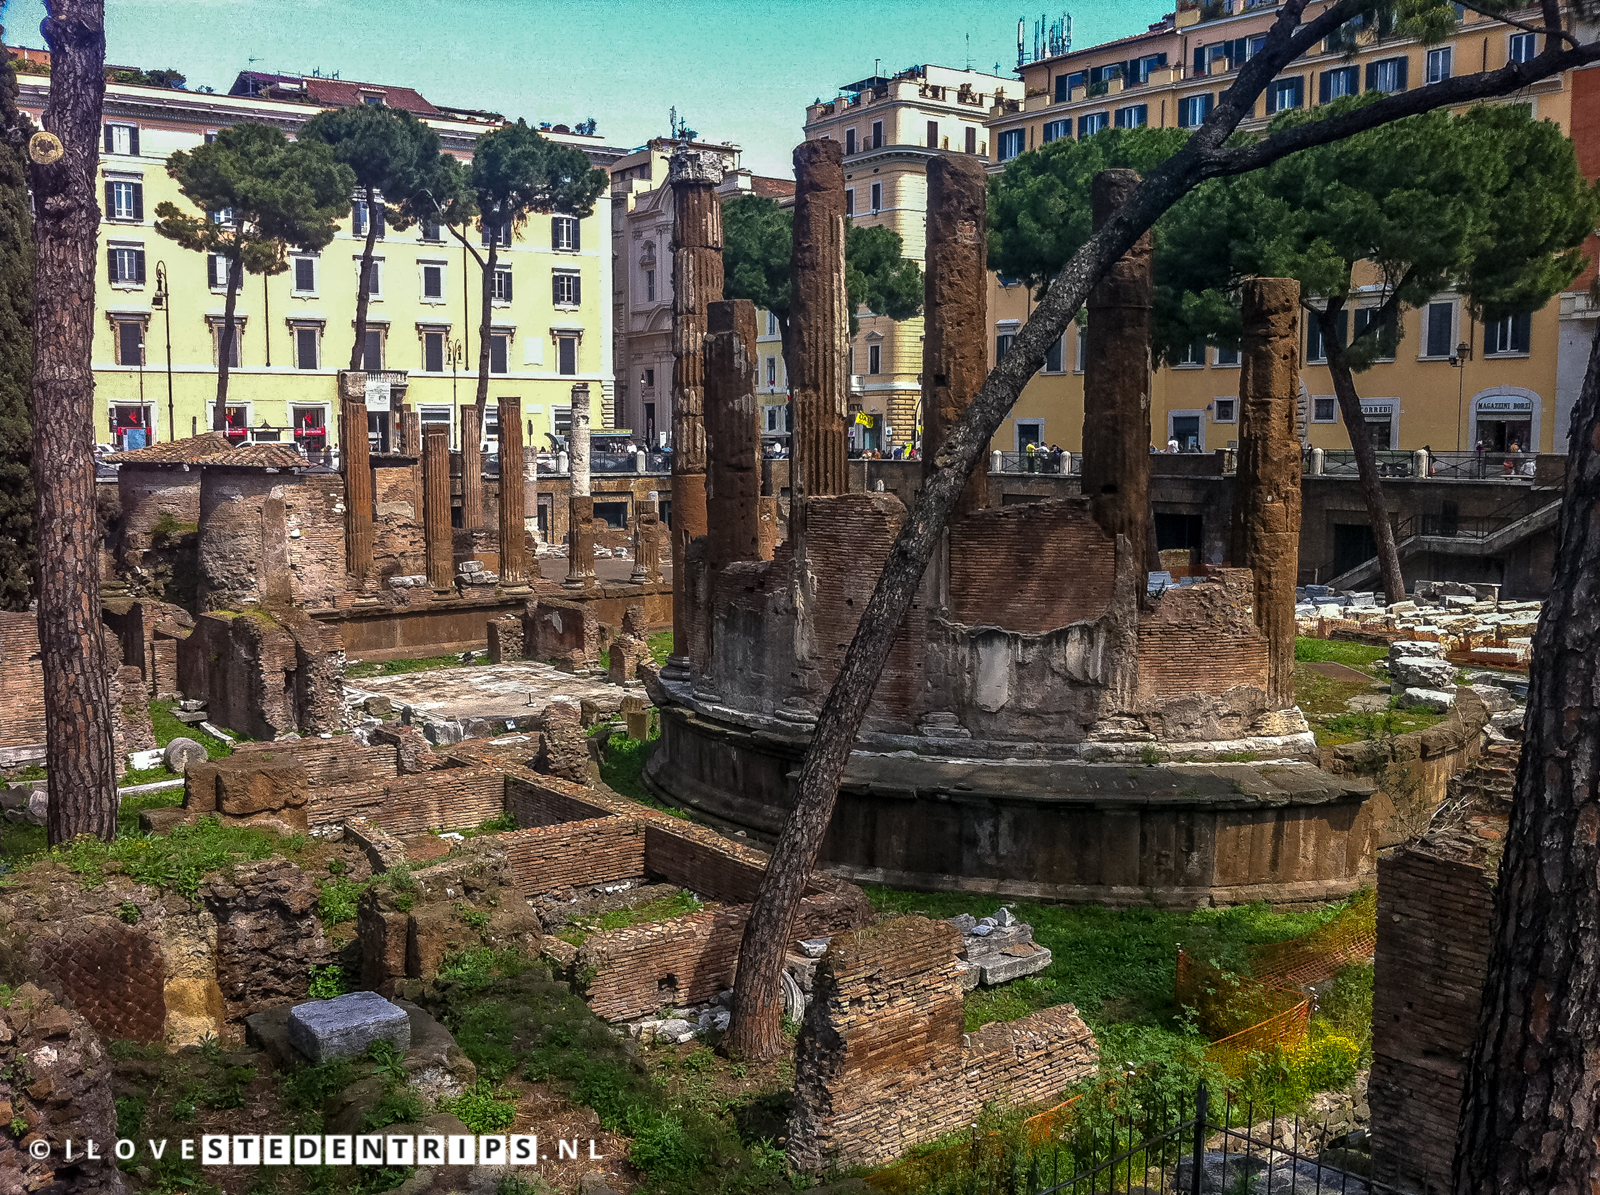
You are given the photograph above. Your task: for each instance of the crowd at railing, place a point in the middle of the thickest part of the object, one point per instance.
(1041, 460)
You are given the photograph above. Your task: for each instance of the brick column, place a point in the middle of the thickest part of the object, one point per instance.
(513, 522)
(733, 435)
(1266, 503)
(1116, 382)
(580, 511)
(955, 347)
(357, 467)
(471, 467)
(819, 322)
(436, 507)
(647, 542)
(696, 281)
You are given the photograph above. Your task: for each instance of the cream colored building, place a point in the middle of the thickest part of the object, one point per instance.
(550, 322)
(1511, 387)
(890, 128)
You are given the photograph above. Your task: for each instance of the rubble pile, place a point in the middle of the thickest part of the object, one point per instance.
(1469, 622)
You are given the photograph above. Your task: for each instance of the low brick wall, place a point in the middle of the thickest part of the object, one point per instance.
(334, 762)
(883, 1065)
(700, 860)
(536, 800)
(596, 851)
(446, 797)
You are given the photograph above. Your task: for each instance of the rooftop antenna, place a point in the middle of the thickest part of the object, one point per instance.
(877, 66)
(969, 51)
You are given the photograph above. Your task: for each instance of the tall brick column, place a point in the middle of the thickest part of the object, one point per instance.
(513, 501)
(955, 346)
(1116, 382)
(733, 435)
(357, 467)
(819, 321)
(696, 281)
(436, 507)
(1266, 503)
(580, 510)
(471, 467)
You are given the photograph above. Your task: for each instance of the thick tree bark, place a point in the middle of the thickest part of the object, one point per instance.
(1344, 388)
(359, 349)
(79, 741)
(1530, 1119)
(219, 417)
(484, 324)
(1203, 156)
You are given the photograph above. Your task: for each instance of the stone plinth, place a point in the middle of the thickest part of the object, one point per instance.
(344, 1027)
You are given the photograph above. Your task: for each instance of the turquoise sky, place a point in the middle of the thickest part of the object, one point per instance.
(737, 72)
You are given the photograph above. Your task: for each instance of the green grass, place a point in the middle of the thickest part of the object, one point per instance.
(622, 769)
(656, 910)
(178, 861)
(401, 667)
(660, 645)
(1352, 655)
(1354, 727)
(167, 728)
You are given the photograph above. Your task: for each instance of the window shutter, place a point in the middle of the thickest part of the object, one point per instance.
(133, 140)
(1236, 51)
(378, 215)
(1400, 73)
(108, 138)
(211, 271)
(577, 289)
(111, 265)
(111, 202)
(138, 266)
(555, 232)
(138, 201)
(1341, 327)
(1372, 75)
(1199, 60)
(1161, 60)
(577, 234)
(555, 289)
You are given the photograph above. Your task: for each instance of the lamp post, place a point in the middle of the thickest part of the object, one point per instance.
(1459, 361)
(163, 301)
(456, 351)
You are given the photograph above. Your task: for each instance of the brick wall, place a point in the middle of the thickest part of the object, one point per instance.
(1030, 568)
(21, 681)
(686, 960)
(883, 1064)
(537, 800)
(1433, 951)
(597, 851)
(336, 761)
(1202, 639)
(397, 548)
(314, 509)
(149, 491)
(445, 798)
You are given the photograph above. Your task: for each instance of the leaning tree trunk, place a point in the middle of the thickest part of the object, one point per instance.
(1344, 387)
(219, 418)
(1530, 1118)
(358, 350)
(79, 740)
(484, 324)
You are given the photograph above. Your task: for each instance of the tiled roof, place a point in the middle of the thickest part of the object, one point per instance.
(259, 456)
(340, 93)
(175, 452)
(771, 188)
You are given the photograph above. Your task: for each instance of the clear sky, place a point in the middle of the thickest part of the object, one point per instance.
(739, 72)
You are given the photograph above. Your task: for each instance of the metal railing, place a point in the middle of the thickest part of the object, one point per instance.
(1438, 466)
(1341, 462)
(1070, 464)
(1482, 466)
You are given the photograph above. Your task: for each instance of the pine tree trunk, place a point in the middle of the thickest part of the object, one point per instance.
(1344, 388)
(79, 744)
(1530, 1119)
(484, 324)
(359, 349)
(219, 418)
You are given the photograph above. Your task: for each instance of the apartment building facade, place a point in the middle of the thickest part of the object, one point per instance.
(156, 343)
(891, 127)
(1453, 381)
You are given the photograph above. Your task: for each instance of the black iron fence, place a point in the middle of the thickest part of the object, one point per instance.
(1039, 462)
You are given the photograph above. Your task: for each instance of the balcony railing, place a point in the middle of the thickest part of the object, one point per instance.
(1069, 464)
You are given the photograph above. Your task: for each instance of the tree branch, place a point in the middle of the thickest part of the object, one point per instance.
(1551, 29)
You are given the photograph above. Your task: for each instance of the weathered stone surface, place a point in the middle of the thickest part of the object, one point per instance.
(733, 435)
(564, 749)
(514, 565)
(344, 1027)
(268, 934)
(436, 531)
(182, 753)
(356, 465)
(819, 321)
(471, 467)
(1496, 699)
(1422, 672)
(1427, 699)
(383, 850)
(254, 784)
(1413, 648)
(161, 819)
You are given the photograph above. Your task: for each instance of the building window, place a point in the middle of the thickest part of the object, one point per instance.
(358, 218)
(374, 279)
(1091, 124)
(972, 140)
(874, 358)
(433, 352)
(877, 134)
(1337, 84)
(1522, 48)
(1193, 110)
(1439, 62)
(1439, 334)
(649, 286)
(877, 197)
(1324, 410)
(124, 200)
(433, 280)
(130, 426)
(430, 230)
(500, 288)
(849, 201)
(772, 323)
(372, 355)
(1315, 349)
(216, 271)
(1029, 433)
(305, 275)
(130, 342)
(561, 419)
(122, 139)
(1135, 116)
(223, 216)
(1012, 143)
(933, 134)
(220, 340)
(499, 353)
(1052, 355)
(849, 142)
(1384, 338)
(1227, 411)
(1002, 345)
(649, 379)
(1083, 347)
(1057, 130)
(235, 420)
(772, 371)
(1509, 335)
(615, 514)
(564, 234)
(125, 265)
(1193, 355)
(307, 346)
(497, 234)
(437, 416)
(567, 355)
(1065, 85)
(1388, 75)
(1228, 356)
(310, 426)
(566, 290)
(1286, 93)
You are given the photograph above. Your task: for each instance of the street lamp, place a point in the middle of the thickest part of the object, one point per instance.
(1459, 361)
(163, 302)
(456, 352)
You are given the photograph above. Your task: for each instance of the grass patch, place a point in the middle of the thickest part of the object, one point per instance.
(400, 667)
(660, 645)
(178, 861)
(167, 728)
(1353, 655)
(1354, 727)
(130, 808)
(656, 910)
(622, 769)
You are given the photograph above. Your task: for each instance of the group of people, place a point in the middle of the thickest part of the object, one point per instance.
(1039, 459)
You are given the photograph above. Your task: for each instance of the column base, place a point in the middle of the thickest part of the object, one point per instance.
(676, 668)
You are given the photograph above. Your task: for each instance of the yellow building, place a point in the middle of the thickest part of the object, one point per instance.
(155, 349)
(890, 128)
(1509, 387)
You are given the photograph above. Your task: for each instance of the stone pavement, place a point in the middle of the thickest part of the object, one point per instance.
(449, 704)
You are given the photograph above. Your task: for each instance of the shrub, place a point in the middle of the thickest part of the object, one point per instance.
(482, 1108)
(337, 901)
(327, 982)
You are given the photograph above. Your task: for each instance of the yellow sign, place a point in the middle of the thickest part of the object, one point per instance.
(864, 420)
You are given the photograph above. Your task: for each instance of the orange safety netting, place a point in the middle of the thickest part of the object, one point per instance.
(1349, 936)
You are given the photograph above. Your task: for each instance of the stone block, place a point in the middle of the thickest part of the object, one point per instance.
(141, 761)
(1412, 648)
(432, 933)
(261, 785)
(163, 819)
(345, 1026)
(1421, 672)
(181, 754)
(383, 850)
(1002, 968)
(190, 717)
(200, 788)
(1497, 699)
(1426, 699)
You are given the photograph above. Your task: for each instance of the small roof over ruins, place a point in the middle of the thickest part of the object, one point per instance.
(188, 451)
(258, 456)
